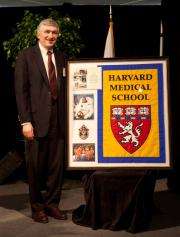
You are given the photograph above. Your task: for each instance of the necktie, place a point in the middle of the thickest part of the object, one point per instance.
(52, 76)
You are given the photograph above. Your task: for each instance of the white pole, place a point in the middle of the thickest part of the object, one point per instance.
(161, 40)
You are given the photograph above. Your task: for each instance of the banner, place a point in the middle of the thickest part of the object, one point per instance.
(118, 113)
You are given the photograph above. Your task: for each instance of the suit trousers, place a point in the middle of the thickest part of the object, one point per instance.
(45, 161)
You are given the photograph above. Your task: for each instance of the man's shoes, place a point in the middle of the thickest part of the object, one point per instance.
(56, 213)
(40, 216)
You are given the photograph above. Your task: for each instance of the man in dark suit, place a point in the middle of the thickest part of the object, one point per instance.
(41, 114)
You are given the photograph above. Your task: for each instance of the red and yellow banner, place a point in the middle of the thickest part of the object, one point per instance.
(130, 113)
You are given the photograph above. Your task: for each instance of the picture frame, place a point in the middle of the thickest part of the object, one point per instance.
(118, 113)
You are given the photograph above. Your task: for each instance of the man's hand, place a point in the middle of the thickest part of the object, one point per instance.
(28, 131)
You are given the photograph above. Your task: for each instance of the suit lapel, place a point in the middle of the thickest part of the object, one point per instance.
(58, 67)
(40, 63)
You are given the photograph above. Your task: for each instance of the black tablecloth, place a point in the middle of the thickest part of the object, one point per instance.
(117, 200)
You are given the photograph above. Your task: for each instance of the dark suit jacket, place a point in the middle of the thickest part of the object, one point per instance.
(33, 92)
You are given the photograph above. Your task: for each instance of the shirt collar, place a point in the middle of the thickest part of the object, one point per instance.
(44, 50)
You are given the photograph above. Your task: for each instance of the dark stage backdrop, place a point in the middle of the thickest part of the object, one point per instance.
(136, 33)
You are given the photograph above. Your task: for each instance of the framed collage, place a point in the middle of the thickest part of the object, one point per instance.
(118, 113)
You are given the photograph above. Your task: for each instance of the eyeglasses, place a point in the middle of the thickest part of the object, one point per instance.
(56, 33)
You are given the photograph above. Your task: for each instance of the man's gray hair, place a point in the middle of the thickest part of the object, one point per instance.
(47, 22)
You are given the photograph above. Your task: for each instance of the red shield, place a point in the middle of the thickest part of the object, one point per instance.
(131, 125)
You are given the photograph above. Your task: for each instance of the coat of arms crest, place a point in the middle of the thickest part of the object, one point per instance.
(131, 125)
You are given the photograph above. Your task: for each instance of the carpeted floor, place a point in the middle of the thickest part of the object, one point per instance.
(15, 218)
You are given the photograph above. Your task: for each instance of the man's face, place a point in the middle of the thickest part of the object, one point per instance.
(47, 36)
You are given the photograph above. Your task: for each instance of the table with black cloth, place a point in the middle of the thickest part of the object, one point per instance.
(117, 200)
